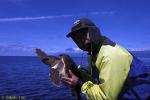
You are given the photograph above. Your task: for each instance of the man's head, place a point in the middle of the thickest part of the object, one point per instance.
(85, 34)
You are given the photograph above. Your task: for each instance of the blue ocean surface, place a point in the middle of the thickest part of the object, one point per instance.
(26, 77)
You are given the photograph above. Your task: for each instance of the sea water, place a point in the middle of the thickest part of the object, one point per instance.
(26, 78)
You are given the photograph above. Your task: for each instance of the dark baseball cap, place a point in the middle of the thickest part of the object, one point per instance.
(80, 24)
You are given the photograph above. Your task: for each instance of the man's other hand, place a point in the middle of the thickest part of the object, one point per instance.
(72, 80)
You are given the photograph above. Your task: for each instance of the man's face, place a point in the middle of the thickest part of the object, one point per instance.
(82, 39)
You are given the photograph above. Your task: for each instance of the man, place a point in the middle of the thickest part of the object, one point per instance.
(109, 62)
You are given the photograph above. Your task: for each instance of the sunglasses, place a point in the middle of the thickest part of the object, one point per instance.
(79, 37)
(80, 34)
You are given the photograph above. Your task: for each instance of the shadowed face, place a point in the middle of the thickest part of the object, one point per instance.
(82, 39)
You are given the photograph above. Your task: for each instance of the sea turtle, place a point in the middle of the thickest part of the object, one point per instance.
(59, 66)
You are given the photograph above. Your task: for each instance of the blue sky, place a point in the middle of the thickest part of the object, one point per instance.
(29, 24)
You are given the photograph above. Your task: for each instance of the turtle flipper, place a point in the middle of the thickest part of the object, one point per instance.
(40, 53)
(47, 59)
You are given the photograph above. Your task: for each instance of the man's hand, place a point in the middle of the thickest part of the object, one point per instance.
(72, 80)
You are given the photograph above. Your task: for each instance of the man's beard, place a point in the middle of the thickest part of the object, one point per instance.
(87, 46)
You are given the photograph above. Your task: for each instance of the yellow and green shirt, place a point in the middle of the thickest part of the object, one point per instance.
(113, 64)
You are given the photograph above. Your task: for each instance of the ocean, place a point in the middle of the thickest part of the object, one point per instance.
(26, 78)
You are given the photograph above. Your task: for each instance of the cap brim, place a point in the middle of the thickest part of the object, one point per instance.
(75, 31)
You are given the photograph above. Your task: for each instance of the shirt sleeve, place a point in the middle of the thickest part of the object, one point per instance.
(113, 73)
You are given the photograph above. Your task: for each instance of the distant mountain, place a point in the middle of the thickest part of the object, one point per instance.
(139, 49)
(77, 50)
(145, 54)
(21, 50)
(74, 52)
